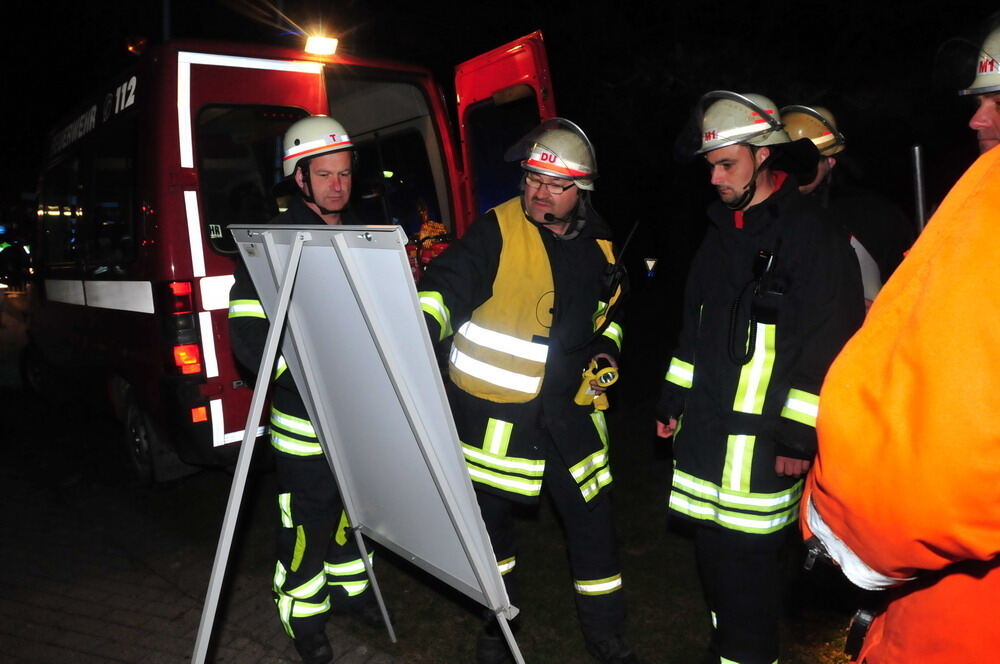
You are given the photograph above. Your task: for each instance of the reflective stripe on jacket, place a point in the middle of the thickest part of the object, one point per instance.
(739, 416)
(499, 354)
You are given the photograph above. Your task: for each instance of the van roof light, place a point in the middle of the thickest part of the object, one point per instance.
(317, 45)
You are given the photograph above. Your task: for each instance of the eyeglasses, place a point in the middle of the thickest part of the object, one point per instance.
(551, 187)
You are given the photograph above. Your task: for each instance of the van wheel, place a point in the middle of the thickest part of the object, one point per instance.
(141, 442)
(35, 372)
(149, 458)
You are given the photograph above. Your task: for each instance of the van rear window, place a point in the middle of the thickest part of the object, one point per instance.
(239, 162)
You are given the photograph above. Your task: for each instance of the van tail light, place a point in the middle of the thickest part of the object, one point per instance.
(181, 298)
(199, 414)
(180, 327)
(187, 358)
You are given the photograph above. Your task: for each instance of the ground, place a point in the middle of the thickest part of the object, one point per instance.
(95, 568)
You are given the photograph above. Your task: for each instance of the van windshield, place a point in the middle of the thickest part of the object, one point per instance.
(239, 162)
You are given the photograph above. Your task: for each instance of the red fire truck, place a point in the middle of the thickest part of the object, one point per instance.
(133, 261)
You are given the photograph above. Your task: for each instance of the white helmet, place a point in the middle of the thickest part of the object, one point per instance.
(815, 123)
(987, 67)
(558, 148)
(311, 137)
(728, 118)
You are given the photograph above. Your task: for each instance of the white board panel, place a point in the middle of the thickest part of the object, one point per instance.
(358, 348)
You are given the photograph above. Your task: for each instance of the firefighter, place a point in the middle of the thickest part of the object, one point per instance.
(530, 296)
(928, 536)
(772, 294)
(879, 231)
(319, 568)
(986, 89)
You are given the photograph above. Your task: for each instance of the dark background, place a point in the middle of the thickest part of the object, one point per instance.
(628, 72)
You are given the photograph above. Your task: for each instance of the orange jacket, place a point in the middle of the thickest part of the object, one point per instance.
(907, 478)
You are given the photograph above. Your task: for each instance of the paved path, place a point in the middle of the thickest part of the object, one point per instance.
(93, 569)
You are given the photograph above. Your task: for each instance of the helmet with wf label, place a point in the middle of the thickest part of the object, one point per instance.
(311, 137)
(728, 118)
(557, 148)
(815, 123)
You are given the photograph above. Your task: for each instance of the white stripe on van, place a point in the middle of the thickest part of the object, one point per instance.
(194, 233)
(215, 292)
(69, 291)
(122, 295)
(208, 345)
(237, 436)
(218, 425)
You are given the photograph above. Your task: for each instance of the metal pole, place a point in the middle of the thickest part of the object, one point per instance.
(166, 21)
(918, 186)
(238, 486)
(509, 636)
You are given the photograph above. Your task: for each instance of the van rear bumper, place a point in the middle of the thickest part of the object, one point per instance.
(194, 442)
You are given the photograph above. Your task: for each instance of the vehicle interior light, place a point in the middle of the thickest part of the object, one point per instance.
(321, 45)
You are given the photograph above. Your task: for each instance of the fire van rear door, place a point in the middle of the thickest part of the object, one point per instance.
(229, 109)
(502, 95)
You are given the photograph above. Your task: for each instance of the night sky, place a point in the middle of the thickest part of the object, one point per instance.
(628, 72)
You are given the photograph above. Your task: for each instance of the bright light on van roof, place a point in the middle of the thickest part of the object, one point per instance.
(321, 45)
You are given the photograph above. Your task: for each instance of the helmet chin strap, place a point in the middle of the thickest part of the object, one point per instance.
(748, 193)
(750, 189)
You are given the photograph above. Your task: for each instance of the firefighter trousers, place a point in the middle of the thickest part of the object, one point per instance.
(741, 579)
(590, 539)
(318, 567)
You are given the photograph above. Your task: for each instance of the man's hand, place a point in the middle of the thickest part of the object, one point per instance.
(594, 385)
(666, 430)
(791, 467)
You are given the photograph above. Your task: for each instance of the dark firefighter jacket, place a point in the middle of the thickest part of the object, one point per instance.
(876, 222)
(291, 431)
(737, 417)
(503, 441)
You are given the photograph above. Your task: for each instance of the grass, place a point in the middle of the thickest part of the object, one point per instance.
(667, 618)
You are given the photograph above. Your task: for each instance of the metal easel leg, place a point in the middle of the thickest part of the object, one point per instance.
(375, 587)
(238, 486)
(509, 635)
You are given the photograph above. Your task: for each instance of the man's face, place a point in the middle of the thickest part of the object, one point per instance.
(823, 168)
(330, 180)
(986, 121)
(732, 168)
(539, 201)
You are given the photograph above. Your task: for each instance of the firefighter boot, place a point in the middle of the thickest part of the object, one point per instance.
(491, 646)
(314, 648)
(363, 609)
(612, 651)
